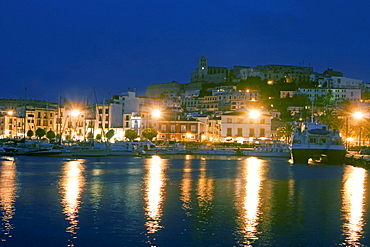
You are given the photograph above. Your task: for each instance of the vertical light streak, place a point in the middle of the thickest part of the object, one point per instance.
(154, 192)
(71, 187)
(250, 201)
(205, 187)
(8, 188)
(186, 186)
(353, 204)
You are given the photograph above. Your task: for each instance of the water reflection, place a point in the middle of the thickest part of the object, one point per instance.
(8, 194)
(186, 187)
(71, 187)
(154, 195)
(248, 188)
(353, 204)
(205, 189)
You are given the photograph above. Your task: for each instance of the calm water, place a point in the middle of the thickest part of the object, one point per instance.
(182, 201)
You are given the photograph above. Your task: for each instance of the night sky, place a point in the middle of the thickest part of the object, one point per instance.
(79, 49)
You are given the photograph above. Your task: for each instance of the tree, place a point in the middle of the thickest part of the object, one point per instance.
(40, 132)
(29, 134)
(51, 135)
(149, 133)
(98, 137)
(131, 134)
(331, 119)
(285, 131)
(90, 135)
(109, 134)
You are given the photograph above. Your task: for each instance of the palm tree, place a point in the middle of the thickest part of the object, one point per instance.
(285, 131)
(330, 118)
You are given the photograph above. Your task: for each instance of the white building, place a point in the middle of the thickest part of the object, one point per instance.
(129, 101)
(339, 94)
(241, 127)
(340, 82)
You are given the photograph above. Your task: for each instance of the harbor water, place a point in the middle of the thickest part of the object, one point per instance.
(181, 201)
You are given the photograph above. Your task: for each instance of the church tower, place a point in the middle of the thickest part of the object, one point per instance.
(203, 67)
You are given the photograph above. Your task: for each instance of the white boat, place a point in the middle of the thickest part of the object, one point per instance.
(122, 148)
(206, 151)
(13, 150)
(84, 151)
(23, 148)
(275, 149)
(317, 142)
(149, 148)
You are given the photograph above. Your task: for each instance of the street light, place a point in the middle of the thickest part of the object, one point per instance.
(254, 114)
(359, 115)
(74, 118)
(156, 113)
(75, 113)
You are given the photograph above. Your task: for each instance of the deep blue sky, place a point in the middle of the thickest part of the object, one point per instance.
(69, 48)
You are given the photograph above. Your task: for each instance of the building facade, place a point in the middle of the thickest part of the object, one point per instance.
(240, 127)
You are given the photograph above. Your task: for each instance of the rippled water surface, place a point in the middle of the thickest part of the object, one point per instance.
(181, 201)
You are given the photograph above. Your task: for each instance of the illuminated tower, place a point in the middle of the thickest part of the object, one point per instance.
(203, 67)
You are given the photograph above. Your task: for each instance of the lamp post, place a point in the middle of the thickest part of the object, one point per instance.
(254, 114)
(359, 115)
(10, 114)
(74, 116)
(157, 114)
(347, 139)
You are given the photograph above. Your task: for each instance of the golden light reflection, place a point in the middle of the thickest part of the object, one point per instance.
(249, 187)
(186, 187)
(96, 188)
(154, 196)
(205, 187)
(353, 193)
(8, 189)
(71, 187)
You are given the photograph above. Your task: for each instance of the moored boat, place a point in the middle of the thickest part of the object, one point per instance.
(276, 149)
(317, 142)
(122, 148)
(149, 148)
(205, 151)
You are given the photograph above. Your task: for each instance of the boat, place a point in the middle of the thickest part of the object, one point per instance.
(206, 151)
(44, 152)
(84, 150)
(122, 148)
(23, 148)
(149, 148)
(313, 141)
(275, 149)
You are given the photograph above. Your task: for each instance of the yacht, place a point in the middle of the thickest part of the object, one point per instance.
(275, 149)
(316, 142)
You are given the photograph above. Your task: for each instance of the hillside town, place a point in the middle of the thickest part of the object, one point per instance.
(240, 105)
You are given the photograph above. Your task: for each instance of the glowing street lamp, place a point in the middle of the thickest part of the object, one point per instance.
(254, 114)
(75, 113)
(359, 115)
(10, 113)
(156, 113)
